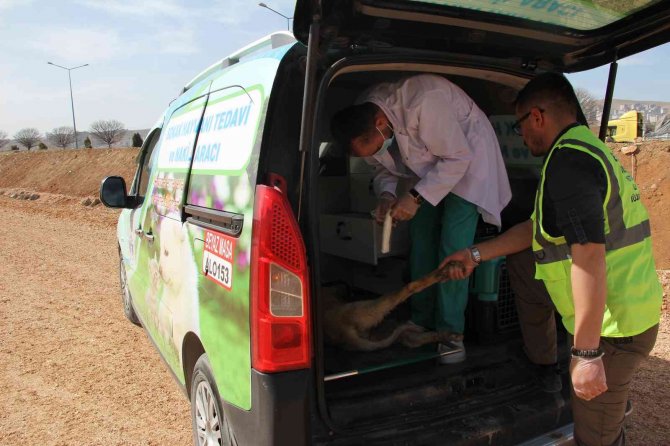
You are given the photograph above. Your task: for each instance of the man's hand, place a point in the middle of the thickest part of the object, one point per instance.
(385, 202)
(405, 208)
(463, 258)
(588, 377)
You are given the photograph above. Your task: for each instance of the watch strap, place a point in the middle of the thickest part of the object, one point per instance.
(418, 199)
(475, 254)
(587, 353)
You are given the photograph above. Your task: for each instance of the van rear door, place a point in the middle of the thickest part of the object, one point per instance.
(560, 35)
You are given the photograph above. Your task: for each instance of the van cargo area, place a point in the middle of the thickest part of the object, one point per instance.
(401, 395)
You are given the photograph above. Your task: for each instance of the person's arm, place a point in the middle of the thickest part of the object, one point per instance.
(384, 181)
(577, 188)
(515, 239)
(589, 291)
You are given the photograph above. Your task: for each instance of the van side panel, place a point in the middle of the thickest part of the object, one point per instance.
(223, 178)
(164, 284)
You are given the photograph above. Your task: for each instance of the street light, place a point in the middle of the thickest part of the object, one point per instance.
(263, 5)
(74, 124)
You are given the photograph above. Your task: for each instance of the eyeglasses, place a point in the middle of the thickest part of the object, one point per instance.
(516, 128)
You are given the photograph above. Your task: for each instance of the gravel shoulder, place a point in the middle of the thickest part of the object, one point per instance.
(73, 370)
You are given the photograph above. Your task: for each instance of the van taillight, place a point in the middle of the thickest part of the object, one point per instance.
(280, 324)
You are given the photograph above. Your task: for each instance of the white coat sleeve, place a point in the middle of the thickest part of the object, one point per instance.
(384, 181)
(441, 132)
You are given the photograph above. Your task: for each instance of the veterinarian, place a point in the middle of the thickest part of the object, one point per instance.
(591, 239)
(426, 128)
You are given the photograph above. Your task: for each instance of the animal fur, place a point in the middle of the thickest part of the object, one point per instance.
(351, 324)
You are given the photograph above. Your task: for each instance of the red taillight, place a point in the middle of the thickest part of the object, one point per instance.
(280, 327)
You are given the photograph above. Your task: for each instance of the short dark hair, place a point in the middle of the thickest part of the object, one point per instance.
(551, 88)
(352, 122)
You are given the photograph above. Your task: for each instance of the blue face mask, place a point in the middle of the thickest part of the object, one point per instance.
(387, 141)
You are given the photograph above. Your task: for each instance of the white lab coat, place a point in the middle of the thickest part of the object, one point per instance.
(445, 140)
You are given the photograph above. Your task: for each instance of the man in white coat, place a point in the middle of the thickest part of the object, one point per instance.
(427, 128)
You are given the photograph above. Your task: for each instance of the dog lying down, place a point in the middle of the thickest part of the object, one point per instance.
(358, 325)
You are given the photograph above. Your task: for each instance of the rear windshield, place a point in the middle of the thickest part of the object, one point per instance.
(580, 15)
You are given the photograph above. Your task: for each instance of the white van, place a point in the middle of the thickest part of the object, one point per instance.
(243, 210)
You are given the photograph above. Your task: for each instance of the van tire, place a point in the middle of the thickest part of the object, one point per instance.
(126, 297)
(205, 395)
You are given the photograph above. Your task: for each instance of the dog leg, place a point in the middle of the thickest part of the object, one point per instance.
(415, 338)
(358, 343)
(369, 313)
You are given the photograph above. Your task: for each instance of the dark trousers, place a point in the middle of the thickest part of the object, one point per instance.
(534, 307)
(600, 421)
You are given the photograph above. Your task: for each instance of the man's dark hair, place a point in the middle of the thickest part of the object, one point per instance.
(352, 122)
(554, 89)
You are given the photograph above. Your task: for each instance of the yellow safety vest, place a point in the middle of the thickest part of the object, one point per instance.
(634, 293)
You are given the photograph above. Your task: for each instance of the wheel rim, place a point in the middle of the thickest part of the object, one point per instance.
(124, 288)
(207, 416)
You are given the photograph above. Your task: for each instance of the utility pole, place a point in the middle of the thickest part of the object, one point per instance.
(74, 124)
(288, 27)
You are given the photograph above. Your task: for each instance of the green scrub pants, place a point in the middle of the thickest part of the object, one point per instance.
(437, 231)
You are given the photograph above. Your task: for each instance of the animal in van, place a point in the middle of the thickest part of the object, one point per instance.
(352, 324)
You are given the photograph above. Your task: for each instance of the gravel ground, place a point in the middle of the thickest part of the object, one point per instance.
(75, 372)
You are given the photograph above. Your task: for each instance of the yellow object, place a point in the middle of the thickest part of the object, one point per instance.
(628, 127)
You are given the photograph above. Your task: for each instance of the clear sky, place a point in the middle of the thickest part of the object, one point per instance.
(142, 52)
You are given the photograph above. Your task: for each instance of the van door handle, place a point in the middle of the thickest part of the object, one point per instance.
(139, 232)
(149, 236)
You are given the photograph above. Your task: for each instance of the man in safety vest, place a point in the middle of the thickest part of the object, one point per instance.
(591, 240)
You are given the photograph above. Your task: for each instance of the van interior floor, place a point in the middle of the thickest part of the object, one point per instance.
(399, 381)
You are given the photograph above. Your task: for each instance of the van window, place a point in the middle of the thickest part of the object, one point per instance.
(575, 15)
(173, 158)
(144, 171)
(227, 137)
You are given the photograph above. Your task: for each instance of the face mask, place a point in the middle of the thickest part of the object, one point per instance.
(387, 141)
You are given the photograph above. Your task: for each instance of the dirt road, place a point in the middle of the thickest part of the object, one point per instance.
(73, 371)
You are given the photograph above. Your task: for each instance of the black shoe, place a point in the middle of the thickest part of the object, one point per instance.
(548, 378)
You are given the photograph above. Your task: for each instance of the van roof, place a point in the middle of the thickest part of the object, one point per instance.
(271, 41)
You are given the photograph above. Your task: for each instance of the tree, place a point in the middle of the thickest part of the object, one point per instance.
(3, 139)
(137, 140)
(589, 105)
(61, 136)
(108, 131)
(28, 137)
(42, 146)
(87, 143)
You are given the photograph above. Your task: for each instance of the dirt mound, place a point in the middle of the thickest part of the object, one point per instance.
(79, 172)
(651, 175)
(66, 172)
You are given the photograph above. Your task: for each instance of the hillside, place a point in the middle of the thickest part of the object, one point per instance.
(79, 172)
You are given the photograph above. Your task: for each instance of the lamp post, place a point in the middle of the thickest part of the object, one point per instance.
(74, 124)
(288, 28)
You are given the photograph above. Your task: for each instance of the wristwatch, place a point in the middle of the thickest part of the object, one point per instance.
(418, 199)
(590, 353)
(475, 255)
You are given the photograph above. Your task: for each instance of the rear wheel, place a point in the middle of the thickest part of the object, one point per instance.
(127, 299)
(210, 426)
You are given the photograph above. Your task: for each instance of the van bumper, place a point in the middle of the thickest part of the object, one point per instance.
(559, 437)
(279, 412)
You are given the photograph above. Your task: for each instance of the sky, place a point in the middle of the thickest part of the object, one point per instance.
(142, 52)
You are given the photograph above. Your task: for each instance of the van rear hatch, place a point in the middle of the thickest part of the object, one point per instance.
(559, 35)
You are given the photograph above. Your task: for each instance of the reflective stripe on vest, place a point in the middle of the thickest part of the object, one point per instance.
(618, 237)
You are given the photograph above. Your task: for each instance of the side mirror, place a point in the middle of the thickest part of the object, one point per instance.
(113, 193)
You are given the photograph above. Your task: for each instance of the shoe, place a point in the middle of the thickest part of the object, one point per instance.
(451, 353)
(548, 379)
